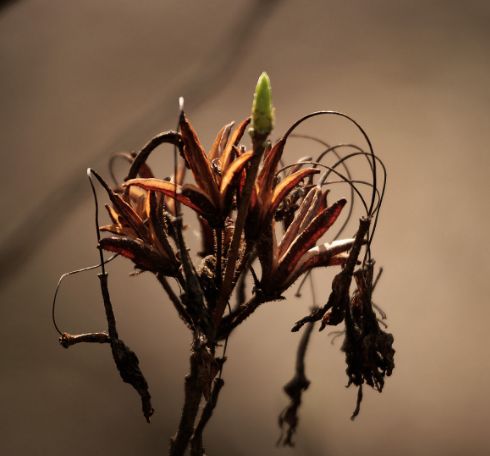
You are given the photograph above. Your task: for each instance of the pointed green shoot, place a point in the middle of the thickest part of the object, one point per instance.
(262, 109)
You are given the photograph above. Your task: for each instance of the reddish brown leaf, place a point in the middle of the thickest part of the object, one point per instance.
(287, 184)
(220, 142)
(127, 213)
(308, 237)
(298, 165)
(200, 200)
(267, 173)
(325, 198)
(293, 228)
(165, 187)
(145, 172)
(207, 238)
(119, 230)
(123, 209)
(140, 254)
(267, 251)
(198, 161)
(157, 225)
(233, 142)
(169, 201)
(231, 176)
(314, 209)
(322, 255)
(112, 214)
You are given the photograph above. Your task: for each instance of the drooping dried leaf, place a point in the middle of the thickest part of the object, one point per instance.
(369, 351)
(128, 366)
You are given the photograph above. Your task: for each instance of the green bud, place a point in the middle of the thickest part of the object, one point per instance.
(262, 109)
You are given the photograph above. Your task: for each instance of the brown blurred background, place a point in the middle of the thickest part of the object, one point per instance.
(81, 80)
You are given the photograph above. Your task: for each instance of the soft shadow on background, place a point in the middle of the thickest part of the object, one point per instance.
(82, 80)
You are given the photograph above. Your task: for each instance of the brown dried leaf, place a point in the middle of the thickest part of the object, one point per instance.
(267, 173)
(112, 214)
(293, 228)
(220, 141)
(323, 255)
(157, 225)
(231, 177)
(197, 160)
(308, 237)
(167, 188)
(124, 210)
(201, 201)
(233, 142)
(286, 185)
(143, 256)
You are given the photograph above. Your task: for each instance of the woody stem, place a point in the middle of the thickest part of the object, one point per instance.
(192, 399)
(219, 256)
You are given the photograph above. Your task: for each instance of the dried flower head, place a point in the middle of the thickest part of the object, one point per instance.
(250, 212)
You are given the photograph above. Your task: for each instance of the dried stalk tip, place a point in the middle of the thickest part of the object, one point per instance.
(262, 109)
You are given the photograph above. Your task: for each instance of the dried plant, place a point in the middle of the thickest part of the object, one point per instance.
(252, 211)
